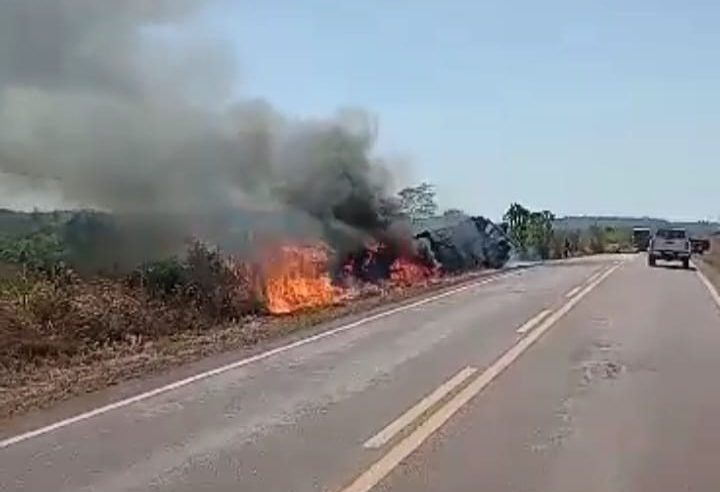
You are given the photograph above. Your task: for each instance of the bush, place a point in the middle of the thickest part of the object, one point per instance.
(594, 240)
(39, 251)
(41, 318)
(215, 285)
(713, 255)
(52, 313)
(162, 278)
(565, 244)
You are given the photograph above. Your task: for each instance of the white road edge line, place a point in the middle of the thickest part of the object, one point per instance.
(383, 466)
(407, 418)
(240, 363)
(532, 322)
(573, 291)
(710, 287)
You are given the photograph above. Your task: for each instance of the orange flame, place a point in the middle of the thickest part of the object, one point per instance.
(405, 271)
(296, 278)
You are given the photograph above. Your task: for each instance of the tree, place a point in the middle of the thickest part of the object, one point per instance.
(530, 230)
(518, 217)
(418, 202)
(540, 232)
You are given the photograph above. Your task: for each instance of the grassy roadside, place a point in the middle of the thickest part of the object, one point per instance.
(54, 379)
(709, 263)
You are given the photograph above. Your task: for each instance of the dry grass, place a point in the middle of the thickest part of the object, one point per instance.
(709, 263)
(55, 333)
(63, 318)
(63, 337)
(712, 257)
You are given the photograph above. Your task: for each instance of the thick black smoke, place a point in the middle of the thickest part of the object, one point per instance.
(124, 109)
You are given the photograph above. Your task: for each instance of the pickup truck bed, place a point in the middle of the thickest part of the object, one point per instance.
(670, 245)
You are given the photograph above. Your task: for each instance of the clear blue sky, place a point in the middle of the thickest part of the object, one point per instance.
(582, 107)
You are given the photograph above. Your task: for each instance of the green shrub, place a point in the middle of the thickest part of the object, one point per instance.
(204, 279)
(39, 251)
(163, 278)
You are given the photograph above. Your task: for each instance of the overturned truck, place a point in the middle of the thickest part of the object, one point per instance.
(458, 242)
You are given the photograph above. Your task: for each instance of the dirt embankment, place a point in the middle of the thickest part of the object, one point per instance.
(709, 263)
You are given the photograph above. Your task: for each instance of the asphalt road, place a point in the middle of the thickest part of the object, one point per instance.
(593, 375)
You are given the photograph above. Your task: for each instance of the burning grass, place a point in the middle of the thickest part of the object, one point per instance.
(297, 278)
(62, 334)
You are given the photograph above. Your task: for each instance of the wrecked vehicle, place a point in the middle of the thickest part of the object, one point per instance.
(458, 242)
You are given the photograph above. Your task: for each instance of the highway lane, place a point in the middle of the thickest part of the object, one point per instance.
(311, 417)
(294, 421)
(621, 395)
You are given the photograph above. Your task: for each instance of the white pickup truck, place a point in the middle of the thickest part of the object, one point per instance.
(670, 245)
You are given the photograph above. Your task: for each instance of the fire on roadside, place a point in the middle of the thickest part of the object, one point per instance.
(406, 271)
(298, 277)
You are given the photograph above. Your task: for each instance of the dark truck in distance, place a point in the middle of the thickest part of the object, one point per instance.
(699, 246)
(670, 245)
(641, 238)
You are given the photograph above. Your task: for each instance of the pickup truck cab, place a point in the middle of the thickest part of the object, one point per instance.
(670, 245)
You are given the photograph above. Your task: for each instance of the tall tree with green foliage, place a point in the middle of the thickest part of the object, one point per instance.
(540, 232)
(518, 218)
(530, 230)
(418, 202)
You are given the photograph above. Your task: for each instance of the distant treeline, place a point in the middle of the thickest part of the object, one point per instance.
(39, 239)
(698, 229)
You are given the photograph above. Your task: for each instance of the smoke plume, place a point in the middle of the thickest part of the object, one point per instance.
(123, 109)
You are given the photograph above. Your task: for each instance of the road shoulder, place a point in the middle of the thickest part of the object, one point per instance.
(84, 388)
